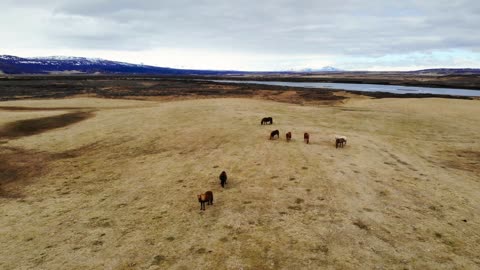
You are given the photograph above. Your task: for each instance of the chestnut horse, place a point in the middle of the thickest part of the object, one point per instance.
(274, 133)
(306, 137)
(289, 136)
(223, 178)
(206, 197)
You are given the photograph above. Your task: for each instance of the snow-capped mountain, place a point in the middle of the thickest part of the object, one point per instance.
(67, 64)
(323, 69)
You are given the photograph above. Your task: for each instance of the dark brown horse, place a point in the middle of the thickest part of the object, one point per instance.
(266, 121)
(206, 197)
(274, 133)
(289, 136)
(340, 142)
(223, 178)
(306, 137)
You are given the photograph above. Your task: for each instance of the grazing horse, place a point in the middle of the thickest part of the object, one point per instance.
(206, 197)
(340, 141)
(306, 137)
(274, 133)
(289, 136)
(223, 178)
(266, 120)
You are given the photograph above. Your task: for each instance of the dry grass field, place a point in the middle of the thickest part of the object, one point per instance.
(89, 183)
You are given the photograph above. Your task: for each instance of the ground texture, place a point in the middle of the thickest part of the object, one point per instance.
(91, 183)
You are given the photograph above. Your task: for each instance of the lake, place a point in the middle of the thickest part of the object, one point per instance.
(396, 89)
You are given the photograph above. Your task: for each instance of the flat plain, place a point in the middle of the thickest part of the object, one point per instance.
(97, 183)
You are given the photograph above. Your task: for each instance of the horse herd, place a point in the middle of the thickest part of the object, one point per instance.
(276, 133)
(207, 197)
(340, 141)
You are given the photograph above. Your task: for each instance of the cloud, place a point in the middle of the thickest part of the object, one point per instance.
(284, 28)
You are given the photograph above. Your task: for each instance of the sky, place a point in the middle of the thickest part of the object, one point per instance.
(249, 35)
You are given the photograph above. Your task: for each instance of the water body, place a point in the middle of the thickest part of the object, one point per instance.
(396, 89)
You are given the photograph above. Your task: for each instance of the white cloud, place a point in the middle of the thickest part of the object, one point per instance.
(252, 35)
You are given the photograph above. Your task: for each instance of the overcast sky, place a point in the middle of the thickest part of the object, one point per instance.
(249, 35)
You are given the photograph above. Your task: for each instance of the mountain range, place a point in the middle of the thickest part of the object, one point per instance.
(80, 65)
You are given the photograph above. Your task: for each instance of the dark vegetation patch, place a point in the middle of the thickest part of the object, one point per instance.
(20, 108)
(19, 166)
(315, 94)
(360, 224)
(466, 160)
(38, 125)
(158, 259)
(299, 201)
(183, 87)
(26, 87)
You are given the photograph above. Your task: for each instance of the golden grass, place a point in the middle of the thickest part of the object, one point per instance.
(118, 190)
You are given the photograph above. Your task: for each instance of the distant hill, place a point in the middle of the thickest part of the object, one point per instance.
(80, 65)
(448, 71)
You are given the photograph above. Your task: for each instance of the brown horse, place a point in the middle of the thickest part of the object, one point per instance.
(223, 178)
(306, 137)
(289, 136)
(340, 142)
(206, 197)
(274, 133)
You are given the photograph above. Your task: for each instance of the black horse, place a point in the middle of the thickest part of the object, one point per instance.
(274, 133)
(267, 121)
(223, 179)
